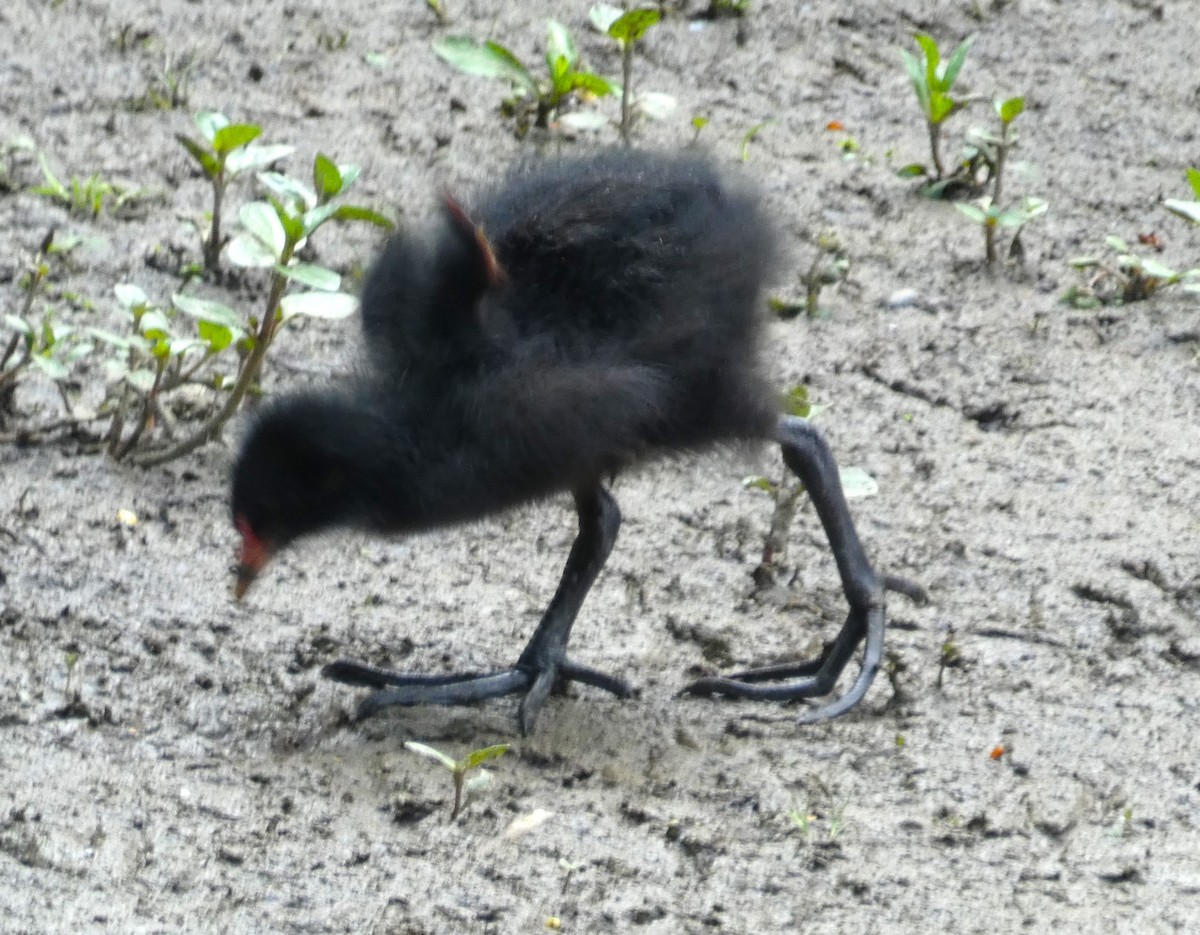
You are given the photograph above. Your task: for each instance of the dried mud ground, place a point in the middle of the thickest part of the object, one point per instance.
(1039, 472)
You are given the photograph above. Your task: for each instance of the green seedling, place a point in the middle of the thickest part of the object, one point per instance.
(856, 483)
(1126, 277)
(751, 135)
(990, 212)
(1188, 210)
(87, 197)
(829, 266)
(45, 346)
(459, 768)
(534, 100)
(805, 820)
(167, 86)
(949, 658)
(933, 81)
(699, 122)
(628, 28)
(273, 232)
(224, 151)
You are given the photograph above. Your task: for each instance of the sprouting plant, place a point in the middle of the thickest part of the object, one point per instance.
(990, 212)
(829, 266)
(272, 234)
(48, 346)
(805, 820)
(1188, 210)
(722, 9)
(699, 122)
(949, 658)
(751, 135)
(167, 85)
(627, 28)
(86, 197)
(1127, 277)
(459, 768)
(933, 81)
(225, 151)
(856, 483)
(534, 100)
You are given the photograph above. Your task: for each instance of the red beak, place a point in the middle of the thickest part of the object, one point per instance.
(252, 558)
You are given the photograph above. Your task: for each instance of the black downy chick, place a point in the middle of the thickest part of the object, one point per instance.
(589, 313)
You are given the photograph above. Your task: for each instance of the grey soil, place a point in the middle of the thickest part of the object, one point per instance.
(1039, 473)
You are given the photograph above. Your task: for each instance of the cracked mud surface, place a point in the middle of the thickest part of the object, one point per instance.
(1039, 473)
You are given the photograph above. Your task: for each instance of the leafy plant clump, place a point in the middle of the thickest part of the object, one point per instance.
(628, 28)
(1121, 276)
(535, 100)
(224, 151)
(459, 768)
(44, 344)
(933, 81)
(990, 212)
(86, 197)
(223, 353)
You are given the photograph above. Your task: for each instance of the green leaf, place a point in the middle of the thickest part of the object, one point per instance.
(293, 226)
(559, 45)
(631, 26)
(359, 213)
(764, 484)
(477, 758)
(315, 277)
(916, 74)
(130, 296)
(603, 15)
(1011, 109)
(179, 346)
(586, 81)
(206, 310)
(1152, 267)
(750, 137)
(432, 754)
(349, 173)
(1083, 262)
(699, 122)
(290, 191)
(974, 212)
(52, 368)
(209, 122)
(318, 216)
(857, 483)
(208, 162)
(234, 136)
(254, 158)
(954, 66)
(140, 380)
(154, 324)
(331, 306)
(487, 60)
(795, 401)
(912, 170)
(1116, 243)
(1188, 210)
(217, 337)
(19, 324)
(327, 180)
(248, 251)
(1193, 177)
(931, 57)
(262, 221)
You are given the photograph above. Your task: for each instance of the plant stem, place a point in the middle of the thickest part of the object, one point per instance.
(935, 148)
(250, 368)
(626, 92)
(212, 246)
(989, 227)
